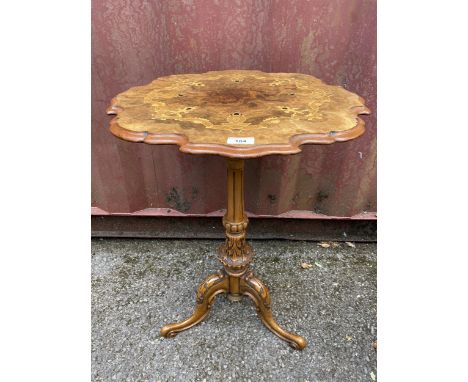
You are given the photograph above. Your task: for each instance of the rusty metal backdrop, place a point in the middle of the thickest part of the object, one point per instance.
(135, 41)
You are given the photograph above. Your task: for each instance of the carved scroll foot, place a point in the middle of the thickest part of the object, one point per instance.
(207, 291)
(258, 292)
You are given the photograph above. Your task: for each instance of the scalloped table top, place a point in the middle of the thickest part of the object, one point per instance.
(237, 113)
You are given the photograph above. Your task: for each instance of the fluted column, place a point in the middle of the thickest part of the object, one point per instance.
(235, 254)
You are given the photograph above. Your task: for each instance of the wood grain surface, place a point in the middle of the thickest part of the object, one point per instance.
(237, 113)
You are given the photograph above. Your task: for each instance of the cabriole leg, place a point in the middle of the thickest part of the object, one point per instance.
(254, 288)
(207, 291)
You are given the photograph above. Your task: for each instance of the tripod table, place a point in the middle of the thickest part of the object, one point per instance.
(238, 114)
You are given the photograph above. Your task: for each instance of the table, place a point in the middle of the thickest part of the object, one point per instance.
(238, 114)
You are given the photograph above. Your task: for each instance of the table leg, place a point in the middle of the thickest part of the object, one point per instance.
(254, 288)
(236, 279)
(207, 291)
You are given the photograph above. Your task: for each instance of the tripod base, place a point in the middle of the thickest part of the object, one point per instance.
(236, 279)
(248, 285)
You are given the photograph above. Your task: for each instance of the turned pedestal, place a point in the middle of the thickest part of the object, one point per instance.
(236, 279)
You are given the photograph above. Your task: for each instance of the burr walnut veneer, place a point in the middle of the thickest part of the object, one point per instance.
(237, 114)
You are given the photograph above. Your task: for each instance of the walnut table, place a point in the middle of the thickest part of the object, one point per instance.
(237, 114)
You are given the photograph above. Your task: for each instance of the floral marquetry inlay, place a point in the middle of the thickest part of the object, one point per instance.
(277, 112)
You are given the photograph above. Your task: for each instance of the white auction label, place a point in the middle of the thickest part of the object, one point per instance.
(241, 141)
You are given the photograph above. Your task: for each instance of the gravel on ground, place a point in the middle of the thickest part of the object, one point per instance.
(138, 285)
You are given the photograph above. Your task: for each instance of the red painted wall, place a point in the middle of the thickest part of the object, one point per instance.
(135, 41)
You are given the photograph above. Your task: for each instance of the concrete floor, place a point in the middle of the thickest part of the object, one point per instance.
(139, 285)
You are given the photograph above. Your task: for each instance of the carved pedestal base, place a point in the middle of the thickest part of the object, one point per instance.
(236, 279)
(249, 286)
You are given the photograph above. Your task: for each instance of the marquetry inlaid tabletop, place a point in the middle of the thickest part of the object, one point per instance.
(237, 113)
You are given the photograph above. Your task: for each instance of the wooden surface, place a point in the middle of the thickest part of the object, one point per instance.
(274, 113)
